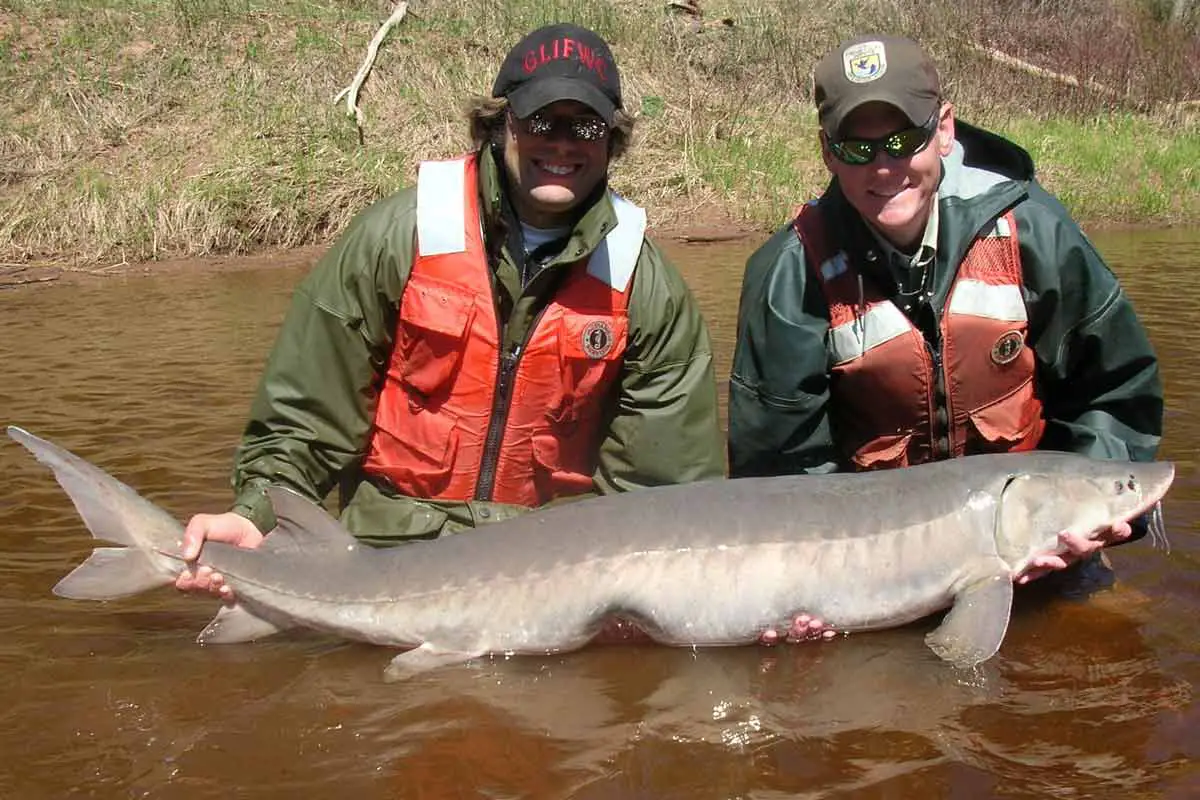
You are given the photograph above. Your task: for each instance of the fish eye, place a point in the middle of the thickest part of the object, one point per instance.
(1119, 486)
(1132, 484)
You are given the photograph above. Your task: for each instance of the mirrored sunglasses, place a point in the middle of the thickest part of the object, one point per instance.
(582, 129)
(903, 143)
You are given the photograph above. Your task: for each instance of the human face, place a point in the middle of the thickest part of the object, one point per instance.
(895, 195)
(552, 174)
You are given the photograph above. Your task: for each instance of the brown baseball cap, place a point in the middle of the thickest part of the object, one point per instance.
(886, 69)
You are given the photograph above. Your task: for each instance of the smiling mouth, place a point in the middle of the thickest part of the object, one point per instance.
(559, 170)
(887, 194)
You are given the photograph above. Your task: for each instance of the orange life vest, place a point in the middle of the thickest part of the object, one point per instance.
(459, 420)
(893, 401)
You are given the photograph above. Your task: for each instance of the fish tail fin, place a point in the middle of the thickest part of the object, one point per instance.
(113, 512)
(112, 572)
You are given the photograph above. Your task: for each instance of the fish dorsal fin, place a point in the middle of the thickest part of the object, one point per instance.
(302, 525)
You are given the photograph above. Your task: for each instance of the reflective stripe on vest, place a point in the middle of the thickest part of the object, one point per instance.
(439, 395)
(882, 381)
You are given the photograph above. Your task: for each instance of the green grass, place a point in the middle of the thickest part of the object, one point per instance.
(1117, 169)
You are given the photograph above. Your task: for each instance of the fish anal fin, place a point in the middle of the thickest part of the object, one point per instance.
(975, 626)
(423, 659)
(235, 623)
(113, 572)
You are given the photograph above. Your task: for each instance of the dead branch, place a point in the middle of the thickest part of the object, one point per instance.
(351, 91)
(1041, 72)
(12, 275)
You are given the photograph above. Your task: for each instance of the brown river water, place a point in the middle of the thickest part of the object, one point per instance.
(150, 375)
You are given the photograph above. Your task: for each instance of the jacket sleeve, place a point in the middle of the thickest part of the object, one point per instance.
(779, 386)
(1098, 375)
(665, 426)
(312, 411)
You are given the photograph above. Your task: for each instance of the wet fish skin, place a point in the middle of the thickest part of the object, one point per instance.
(696, 564)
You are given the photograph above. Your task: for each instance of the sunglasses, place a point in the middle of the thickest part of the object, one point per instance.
(581, 129)
(903, 143)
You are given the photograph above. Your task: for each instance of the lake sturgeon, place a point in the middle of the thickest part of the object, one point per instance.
(702, 564)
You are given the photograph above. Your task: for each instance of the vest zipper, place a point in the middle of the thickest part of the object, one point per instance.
(496, 423)
(939, 390)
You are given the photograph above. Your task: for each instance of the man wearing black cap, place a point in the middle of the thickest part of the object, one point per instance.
(497, 337)
(934, 302)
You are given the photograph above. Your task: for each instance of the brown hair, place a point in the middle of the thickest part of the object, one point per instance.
(486, 118)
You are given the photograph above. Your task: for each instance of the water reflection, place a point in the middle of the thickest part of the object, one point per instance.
(151, 377)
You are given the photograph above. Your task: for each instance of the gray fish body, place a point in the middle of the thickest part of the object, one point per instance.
(702, 564)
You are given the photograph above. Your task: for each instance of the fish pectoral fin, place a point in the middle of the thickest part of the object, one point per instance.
(236, 623)
(975, 626)
(422, 659)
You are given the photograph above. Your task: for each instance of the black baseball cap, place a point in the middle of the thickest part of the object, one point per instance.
(560, 62)
(887, 69)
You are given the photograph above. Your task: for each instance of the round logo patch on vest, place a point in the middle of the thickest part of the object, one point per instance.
(597, 338)
(1008, 347)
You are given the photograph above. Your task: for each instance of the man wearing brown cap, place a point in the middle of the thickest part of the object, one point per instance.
(934, 302)
(497, 337)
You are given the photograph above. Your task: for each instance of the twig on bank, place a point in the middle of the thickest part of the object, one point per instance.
(351, 91)
(13, 275)
(1042, 72)
(123, 263)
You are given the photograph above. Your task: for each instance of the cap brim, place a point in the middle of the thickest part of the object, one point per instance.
(527, 99)
(917, 109)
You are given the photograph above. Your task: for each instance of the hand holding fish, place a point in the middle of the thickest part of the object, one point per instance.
(1078, 546)
(803, 628)
(230, 528)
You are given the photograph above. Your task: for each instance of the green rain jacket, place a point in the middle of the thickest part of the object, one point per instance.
(1096, 372)
(311, 418)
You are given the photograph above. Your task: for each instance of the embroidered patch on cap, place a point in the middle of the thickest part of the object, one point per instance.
(597, 339)
(1007, 348)
(864, 62)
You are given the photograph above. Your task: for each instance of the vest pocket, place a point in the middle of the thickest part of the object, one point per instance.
(434, 319)
(591, 350)
(561, 467)
(421, 457)
(883, 452)
(1010, 421)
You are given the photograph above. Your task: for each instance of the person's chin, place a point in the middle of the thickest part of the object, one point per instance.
(554, 197)
(895, 212)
